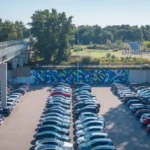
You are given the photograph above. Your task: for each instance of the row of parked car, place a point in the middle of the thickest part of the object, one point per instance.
(13, 98)
(137, 98)
(54, 128)
(89, 126)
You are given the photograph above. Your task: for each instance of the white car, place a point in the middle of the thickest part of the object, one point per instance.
(1, 119)
(48, 141)
(12, 104)
(99, 117)
(91, 136)
(15, 99)
(89, 123)
(89, 130)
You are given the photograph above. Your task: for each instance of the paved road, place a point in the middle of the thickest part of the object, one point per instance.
(122, 126)
(18, 129)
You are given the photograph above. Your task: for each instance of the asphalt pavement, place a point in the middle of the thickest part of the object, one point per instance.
(122, 126)
(18, 129)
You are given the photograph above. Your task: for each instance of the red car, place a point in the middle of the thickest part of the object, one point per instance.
(145, 120)
(148, 128)
(60, 93)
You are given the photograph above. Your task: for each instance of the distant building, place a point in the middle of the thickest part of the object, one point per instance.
(134, 48)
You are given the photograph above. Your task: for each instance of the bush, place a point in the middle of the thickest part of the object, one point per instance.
(108, 55)
(77, 49)
(85, 60)
(96, 46)
(89, 61)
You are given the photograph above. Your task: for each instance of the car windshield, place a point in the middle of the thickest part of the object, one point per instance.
(48, 132)
(87, 136)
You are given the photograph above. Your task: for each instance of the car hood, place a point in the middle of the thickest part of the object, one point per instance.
(79, 126)
(68, 145)
(80, 139)
(79, 132)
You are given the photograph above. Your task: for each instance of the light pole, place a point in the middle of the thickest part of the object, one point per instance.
(141, 54)
(78, 58)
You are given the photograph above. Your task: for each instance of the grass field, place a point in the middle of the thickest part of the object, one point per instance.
(102, 53)
(94, 53)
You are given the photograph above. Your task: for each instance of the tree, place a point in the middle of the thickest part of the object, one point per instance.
(12, 31)
(53, 31)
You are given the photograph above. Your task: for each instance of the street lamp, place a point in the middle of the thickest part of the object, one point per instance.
(78, 57)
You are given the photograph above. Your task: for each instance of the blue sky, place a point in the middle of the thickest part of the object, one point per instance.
(91, 12)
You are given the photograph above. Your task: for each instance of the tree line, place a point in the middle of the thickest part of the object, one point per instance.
(98, 35)
(55, 33)
(12, 30)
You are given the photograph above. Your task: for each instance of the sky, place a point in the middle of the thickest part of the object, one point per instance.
(85, 12)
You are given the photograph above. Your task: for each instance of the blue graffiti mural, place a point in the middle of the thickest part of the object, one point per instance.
(90, 76)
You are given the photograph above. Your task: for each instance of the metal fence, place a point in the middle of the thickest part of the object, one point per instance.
(10, 43)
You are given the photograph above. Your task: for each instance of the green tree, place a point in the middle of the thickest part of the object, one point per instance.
(53, 31)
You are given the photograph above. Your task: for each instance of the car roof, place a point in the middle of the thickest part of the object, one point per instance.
(139, 104)
(104, 147)
(99, 140)
(93, 121)
(94, 127)
(47, 147)
(45, 126)
(50, 140)
(48, 132)
(96, 133)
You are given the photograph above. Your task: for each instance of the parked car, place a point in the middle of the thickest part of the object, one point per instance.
(135, 107)
(56, 118)
(49, 141)
(145, 120)
(85, 109)
(104, 147)
(6, 111)
(148, 128)
(55, 122)
(135, 101)
(48, 147)
(51, 134)
(141, 111)
(61, 93)
(91, 136)
(54, 128)
(56, 110)
(89, 130)
(55, 114)
(93, 143)
(87, 119)
(1, 119)
(89, 123)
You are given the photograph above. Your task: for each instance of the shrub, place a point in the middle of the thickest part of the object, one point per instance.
(89, 61)
(108, 55)
(77, 49)
(96, 46)
(86, 60)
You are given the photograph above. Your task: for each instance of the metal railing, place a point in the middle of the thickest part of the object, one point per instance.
(10, 43)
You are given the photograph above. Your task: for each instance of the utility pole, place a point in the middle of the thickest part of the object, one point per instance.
(141, 54)
(78, 57)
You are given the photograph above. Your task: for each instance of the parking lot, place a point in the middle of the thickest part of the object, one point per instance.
(18, 129)
(122, 126)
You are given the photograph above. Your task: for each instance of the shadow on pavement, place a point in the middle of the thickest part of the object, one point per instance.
(32, 148)
(126, 130)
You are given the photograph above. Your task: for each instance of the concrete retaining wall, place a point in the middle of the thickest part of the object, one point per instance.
(139, 76)
(89, 76)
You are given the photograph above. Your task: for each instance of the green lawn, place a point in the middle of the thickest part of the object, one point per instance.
(95, 53)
